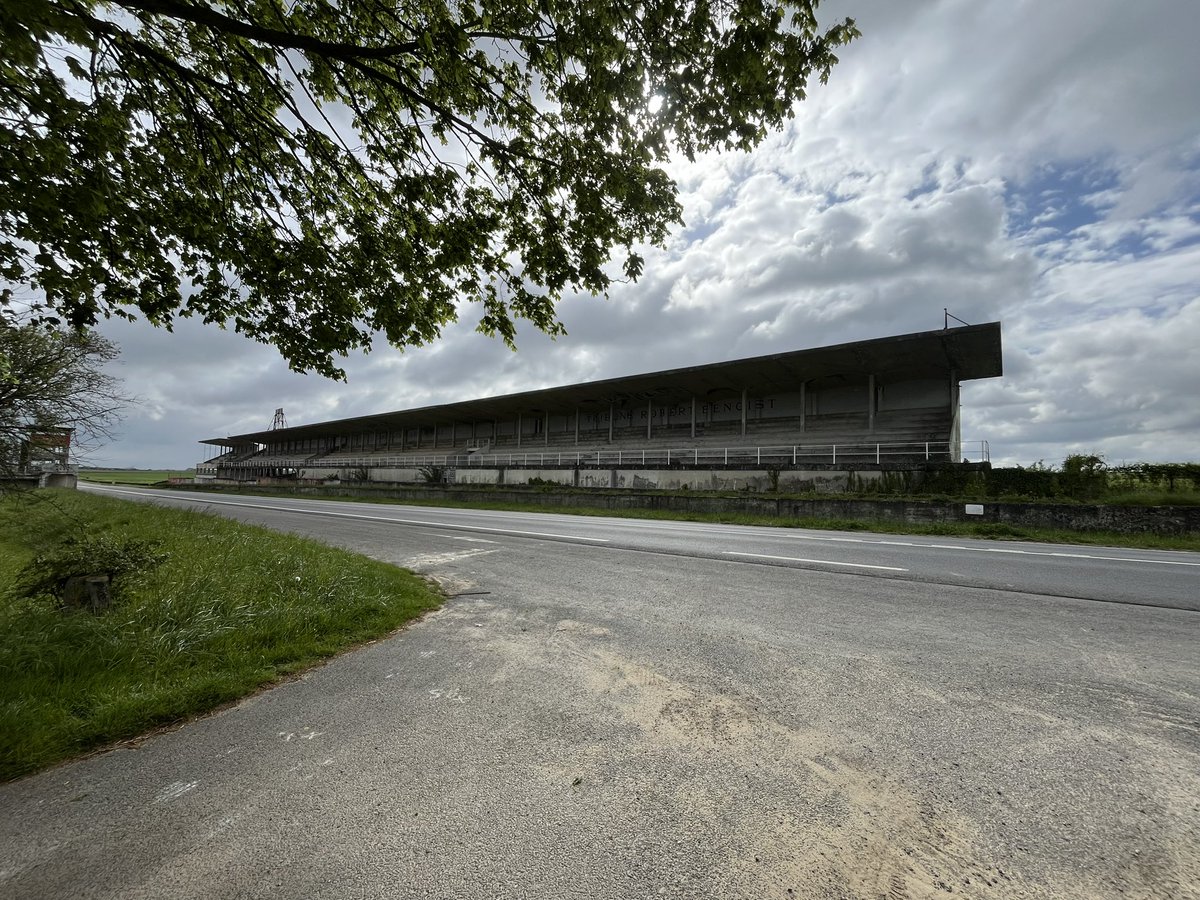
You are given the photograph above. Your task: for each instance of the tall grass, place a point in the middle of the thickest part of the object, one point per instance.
(232, 607)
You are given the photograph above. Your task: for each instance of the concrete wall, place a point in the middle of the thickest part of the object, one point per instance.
(757, 480)
(390, 476)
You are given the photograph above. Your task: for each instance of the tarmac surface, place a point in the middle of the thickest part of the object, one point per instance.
(584, 719)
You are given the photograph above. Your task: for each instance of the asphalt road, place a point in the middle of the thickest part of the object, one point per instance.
(627, 709)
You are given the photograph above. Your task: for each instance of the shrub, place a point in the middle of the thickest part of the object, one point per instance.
(77, 557)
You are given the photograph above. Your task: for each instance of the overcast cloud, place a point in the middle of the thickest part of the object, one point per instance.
(1036, 163)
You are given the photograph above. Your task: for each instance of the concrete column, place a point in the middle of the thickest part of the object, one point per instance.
(745, 403)
(649, 416)
(453, 434)
(955, 420)
(418, 437)
(546, 430)
(803, 403)
(693, 416)
(577, 425)
(871, 402)
(518, 429)
(610, 422)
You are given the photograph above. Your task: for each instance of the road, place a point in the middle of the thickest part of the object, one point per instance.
(627, 709)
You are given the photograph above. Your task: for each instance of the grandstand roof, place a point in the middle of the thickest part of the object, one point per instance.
(973, 351)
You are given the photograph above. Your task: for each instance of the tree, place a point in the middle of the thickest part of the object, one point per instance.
(50, 381)
(314, 173)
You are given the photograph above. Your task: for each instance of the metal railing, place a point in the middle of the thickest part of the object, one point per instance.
(696, 457)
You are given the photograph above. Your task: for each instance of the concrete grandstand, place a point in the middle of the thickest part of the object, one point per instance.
(803, 420)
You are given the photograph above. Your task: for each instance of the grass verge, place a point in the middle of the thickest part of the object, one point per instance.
(984, 530)
(229, 608)
(130, 476)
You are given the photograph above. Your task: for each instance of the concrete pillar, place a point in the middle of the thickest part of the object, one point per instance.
(577, 425)
(453, 434)
(518, 429)
(955, 419)
(649, 416)
(744, 405)
(871, 402)
(803, 403)
(546, 430)
(693, 416)
(610, 422)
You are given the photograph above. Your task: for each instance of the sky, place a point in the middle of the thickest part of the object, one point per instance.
(1032, 163)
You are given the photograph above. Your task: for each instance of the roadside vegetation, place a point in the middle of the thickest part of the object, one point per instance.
(202, 610)
(131, 476)
(1080, 478)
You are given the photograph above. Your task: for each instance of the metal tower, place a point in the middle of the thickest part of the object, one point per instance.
(280, 420)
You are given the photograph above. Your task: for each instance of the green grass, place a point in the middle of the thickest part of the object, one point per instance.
(232, 608)
(987, 530)
(130, 476)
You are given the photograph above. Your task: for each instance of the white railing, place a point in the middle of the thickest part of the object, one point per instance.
(788, 455)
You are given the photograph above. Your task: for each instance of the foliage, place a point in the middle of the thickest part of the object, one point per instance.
(1175, 476)
(228, 608)
(432, 474)
(54, 379)
(313, 173)
(114, 555)
(1031, 483)
(1084, 476)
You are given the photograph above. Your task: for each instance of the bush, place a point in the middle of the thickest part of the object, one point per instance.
(1036, 483)
(77, 557)
(433, 474)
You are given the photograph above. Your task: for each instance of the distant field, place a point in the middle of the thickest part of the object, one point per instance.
(130, 476)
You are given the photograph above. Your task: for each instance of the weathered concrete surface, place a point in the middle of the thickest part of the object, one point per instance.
(585, 723)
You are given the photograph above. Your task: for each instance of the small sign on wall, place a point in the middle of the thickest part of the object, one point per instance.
(974, 509)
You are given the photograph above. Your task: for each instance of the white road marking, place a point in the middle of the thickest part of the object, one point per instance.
(175, 790)
(823, 562)
(339, 515)
(455, 537)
